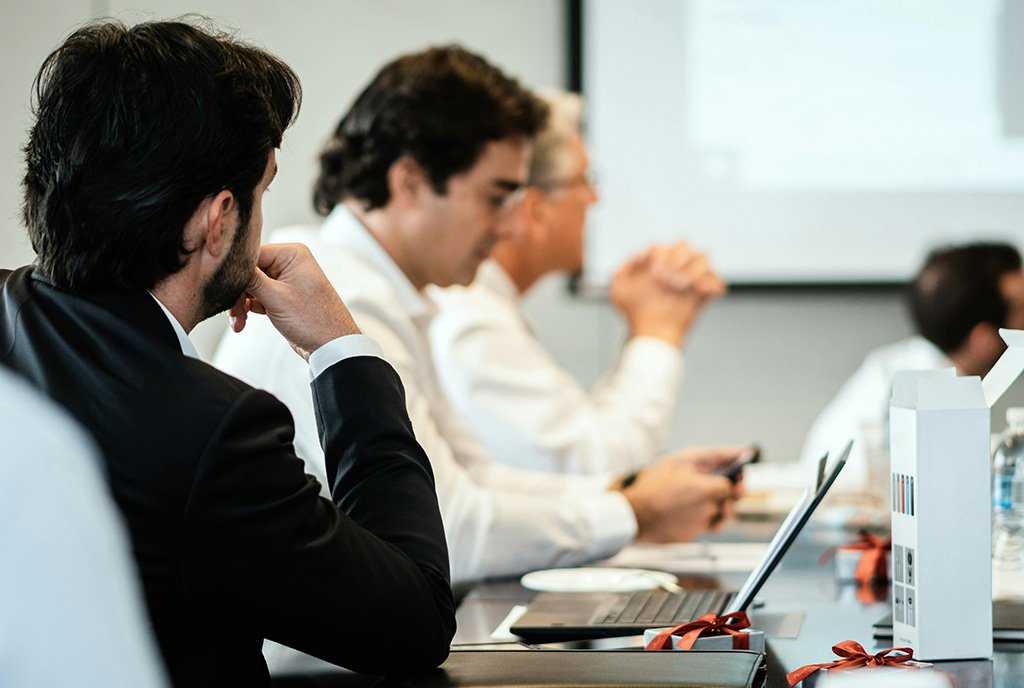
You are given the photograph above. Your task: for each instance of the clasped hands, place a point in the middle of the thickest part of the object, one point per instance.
(661, 291)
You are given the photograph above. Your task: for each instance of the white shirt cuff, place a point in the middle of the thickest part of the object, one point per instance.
(586, 485)
(347, 346)
(608, 513)
(612, 522)
(655, 346)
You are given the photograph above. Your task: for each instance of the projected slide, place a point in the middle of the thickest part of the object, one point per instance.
(805, 141)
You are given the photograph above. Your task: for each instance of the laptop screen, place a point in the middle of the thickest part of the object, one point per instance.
(790, 528)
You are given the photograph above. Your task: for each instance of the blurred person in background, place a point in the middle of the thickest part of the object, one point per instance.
(958, 301)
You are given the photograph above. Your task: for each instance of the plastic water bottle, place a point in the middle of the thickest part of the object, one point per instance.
(1005, 460)
(1008, 509)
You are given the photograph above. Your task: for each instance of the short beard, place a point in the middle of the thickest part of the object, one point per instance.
(229, 280)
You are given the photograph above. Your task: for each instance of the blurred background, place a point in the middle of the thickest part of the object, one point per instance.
(763, 360)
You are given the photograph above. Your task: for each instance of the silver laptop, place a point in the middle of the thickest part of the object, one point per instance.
(556, 616)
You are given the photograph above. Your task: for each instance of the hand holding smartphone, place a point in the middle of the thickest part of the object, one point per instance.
(732, 470)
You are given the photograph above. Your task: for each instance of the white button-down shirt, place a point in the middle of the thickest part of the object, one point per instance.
(860, 410)
(499, 520)
(525, 408)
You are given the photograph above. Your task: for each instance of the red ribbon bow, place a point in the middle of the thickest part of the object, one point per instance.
(872, 561)
(854, 655)
(708, 624)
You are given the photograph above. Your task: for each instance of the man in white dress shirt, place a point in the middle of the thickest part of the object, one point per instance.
(73, 611)
(958, 301)
(522, 405)
(415, 183)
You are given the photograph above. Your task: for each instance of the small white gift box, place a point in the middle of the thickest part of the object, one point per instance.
(719, 641)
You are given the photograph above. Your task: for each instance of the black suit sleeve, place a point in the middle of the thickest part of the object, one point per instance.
(286, 562)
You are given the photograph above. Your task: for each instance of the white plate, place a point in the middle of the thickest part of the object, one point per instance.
(596, 579)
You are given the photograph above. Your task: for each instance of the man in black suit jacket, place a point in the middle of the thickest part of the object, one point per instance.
(146, 166)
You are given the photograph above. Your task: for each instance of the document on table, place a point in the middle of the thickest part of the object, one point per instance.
(692, 557)
(502, 632)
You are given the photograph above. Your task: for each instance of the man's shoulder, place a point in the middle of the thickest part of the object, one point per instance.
(155, 414)
(353, 276)
(478, 297)
(114, 365)
(484, 304)
(208, 382)
(870, 385)
(15, 282)
(216, 398)
(367, 291)
(187, 421)
(912, 353)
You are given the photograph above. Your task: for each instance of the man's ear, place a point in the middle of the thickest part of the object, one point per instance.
(222, 223)
(534, 216)
(212, 227)
(985, 346)
(406, 181)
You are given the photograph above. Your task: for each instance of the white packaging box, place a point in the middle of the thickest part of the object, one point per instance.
(940, 502)
(755, 640)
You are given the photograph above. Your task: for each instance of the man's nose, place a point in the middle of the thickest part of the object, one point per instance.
(508, 226)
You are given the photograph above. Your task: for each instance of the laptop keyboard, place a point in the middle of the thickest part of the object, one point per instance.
(660, 608)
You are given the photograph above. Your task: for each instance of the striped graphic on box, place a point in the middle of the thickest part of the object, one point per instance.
(902, 491)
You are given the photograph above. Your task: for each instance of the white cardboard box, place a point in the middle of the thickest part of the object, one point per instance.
(940, 502)
(723, 642)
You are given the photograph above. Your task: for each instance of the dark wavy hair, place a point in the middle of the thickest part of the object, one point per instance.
(134, 128)
(440, 107)
(957, 288)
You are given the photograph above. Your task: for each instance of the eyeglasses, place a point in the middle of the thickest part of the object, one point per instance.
(512, 200)
(586, 180)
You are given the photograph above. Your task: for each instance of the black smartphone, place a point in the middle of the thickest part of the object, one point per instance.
(732, 471)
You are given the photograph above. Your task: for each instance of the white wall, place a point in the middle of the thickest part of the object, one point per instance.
(760, 365)
(27, 34)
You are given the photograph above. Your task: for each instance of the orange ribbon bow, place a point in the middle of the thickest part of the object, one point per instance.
(853, 655)
(708, 624)
(872, 561)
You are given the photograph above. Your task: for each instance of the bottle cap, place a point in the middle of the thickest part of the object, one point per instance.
(1015, 415)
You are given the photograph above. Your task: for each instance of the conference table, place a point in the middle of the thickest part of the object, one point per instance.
(803, 610)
